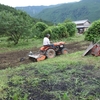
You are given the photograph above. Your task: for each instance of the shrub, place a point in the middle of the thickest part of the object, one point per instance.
(71, 28)
(57, 32)
(39, 28)
(93, 33)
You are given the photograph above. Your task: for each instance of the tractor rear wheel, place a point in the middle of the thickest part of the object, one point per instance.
(50, 53)
(64, 51)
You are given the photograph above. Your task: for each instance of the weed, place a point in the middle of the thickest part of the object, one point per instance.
(65, 97)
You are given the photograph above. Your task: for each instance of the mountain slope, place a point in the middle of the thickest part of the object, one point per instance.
(85, 9)
(33, 10)
(7, 8)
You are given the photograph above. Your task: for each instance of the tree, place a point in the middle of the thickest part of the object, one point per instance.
(14, 26)
(63, 31)
(93, 32)
(40, 27)
(71, 27)
(47, 31)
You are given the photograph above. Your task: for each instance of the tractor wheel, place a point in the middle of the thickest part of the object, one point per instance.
(50, 53)
(64, 51)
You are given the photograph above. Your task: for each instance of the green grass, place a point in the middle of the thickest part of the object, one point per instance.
(65, 77)
(8, 47)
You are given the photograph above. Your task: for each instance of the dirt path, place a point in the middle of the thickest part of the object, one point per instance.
(13, 58)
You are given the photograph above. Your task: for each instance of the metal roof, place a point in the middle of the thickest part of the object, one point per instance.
(81, 21)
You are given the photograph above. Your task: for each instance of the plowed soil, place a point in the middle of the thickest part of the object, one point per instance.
(12, 59)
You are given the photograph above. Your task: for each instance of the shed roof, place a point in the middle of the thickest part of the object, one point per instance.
(81, 21)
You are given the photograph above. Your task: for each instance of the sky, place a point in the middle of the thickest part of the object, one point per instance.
(17, 3)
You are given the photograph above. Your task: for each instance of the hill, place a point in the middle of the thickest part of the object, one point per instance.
(13, 11)
(85, 9)
(33, 10)
(4, 9)
(7, 8)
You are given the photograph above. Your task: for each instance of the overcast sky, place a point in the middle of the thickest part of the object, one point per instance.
(16, 3)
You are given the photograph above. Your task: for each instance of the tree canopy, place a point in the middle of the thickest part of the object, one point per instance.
(14, 26)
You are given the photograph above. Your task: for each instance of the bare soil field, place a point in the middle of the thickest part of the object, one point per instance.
(12, 59)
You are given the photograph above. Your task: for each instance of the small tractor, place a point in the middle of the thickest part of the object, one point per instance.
(49, 52)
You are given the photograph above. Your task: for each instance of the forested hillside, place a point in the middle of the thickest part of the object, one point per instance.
(8, 9)
(33, 10)
(15, 11)
(85, 9)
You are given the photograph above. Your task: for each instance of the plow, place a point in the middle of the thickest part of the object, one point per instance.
(49, 52)
(93, 49)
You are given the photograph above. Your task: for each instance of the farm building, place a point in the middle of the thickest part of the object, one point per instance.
(82, 25)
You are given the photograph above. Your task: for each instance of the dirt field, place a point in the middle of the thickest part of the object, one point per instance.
(12, 59)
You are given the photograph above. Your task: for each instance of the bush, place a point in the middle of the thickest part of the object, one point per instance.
(93, 32)
(39, 28)
(46, 31)
(71, 28)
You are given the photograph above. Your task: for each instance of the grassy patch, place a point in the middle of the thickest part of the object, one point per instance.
(51, 79)
(8, 47)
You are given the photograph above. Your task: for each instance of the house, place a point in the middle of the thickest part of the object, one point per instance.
(82, 25)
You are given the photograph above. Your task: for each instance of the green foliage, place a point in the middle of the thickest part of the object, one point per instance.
(15, 26)
(47, 31)
(23, 44)
(65, 97)
(55, 32)
(18, 97)
(58, 32)
(93, 33)
(7, 8)
(63, 31)
(40, 27)
(71, 28)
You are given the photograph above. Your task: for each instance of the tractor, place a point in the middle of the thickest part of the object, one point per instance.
(49, 52)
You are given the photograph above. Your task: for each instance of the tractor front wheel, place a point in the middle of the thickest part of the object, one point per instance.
(50, 53)
(64, 51)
